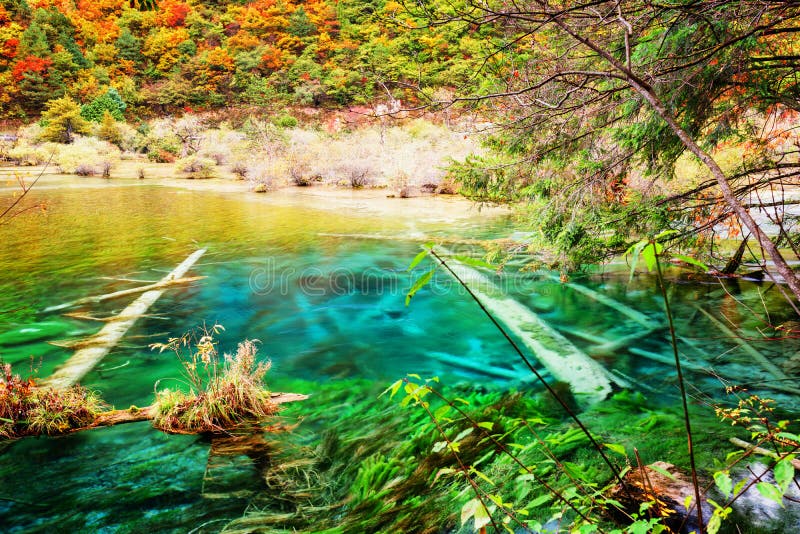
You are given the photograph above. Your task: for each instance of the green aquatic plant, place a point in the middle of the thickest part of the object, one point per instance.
(224, 392)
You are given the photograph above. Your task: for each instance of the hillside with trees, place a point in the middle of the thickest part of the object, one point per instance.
(614, 119)
(165, 55)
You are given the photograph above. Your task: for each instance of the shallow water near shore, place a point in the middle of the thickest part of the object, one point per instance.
(299, 273)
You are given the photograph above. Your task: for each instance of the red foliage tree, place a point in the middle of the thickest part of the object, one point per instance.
(173, 12)
(9, 49)
(30, 64)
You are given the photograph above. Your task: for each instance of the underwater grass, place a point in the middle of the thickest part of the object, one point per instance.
(360, 463)
(29, 410)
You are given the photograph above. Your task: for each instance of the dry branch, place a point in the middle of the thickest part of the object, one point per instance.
(760, 450)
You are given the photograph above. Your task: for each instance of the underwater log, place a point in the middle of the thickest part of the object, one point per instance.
(627, 311)
(589, 381)
(482, 367)
(762, 360)
(163, 284)
(98, 345)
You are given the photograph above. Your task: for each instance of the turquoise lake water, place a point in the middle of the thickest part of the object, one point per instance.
(325, 308)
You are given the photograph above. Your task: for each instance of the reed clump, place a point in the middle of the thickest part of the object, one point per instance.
(29, 410)
(220, 397)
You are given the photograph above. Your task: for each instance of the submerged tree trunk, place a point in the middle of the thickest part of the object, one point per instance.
(589, 381)
(736, 261)
(98, 345)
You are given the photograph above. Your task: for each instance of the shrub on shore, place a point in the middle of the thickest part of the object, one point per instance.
(86, 156)
(197, 167)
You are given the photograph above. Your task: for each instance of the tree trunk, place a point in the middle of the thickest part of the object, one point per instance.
(641, 87)
(134, 414)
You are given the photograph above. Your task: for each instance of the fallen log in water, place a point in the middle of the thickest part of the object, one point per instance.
(668, 360)
(102, 342)
(590, 382)
(690, 366)
(611, 346)
(482, 367)
(623, 309)
(762, 360)
(168, 281)
(78, 417)
(87, 317)
(148, 413)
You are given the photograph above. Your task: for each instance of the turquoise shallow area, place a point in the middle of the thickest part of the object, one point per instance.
(325, 308)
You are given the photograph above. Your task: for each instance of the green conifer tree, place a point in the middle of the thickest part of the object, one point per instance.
(109, 129)
(62, 119)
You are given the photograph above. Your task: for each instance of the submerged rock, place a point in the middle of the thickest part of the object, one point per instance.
(755, 513)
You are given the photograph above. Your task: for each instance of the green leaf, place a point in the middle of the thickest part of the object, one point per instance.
(464, 433)
(691, 261)
(475, 509)
(635, 250)
(496, 499)
(417, 259)
(662, 471)
(724, 483)
(665, 233)
(619, 449)
(576, 471)
(687, 502)
(482, 517)
(421, 282)
(484, 478)
(784, 473)
(488, 425)
(474, 262)
(468, 510)
(770, 492)
(650, 255)
(441, 411)
(394, 388)
(640, 527)
(540, 500)
(713, 524)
